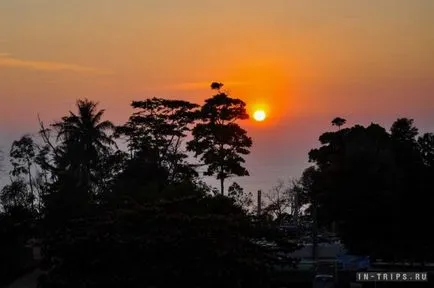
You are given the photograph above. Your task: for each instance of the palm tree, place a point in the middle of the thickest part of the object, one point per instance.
(84, 139)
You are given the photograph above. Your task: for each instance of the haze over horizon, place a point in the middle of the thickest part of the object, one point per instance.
(307, 61)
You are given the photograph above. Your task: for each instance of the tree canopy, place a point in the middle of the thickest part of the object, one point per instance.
(374, 184)
(140, 216)
(218, 139)
(126, 205)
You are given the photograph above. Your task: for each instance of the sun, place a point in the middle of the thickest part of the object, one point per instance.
(259, 115)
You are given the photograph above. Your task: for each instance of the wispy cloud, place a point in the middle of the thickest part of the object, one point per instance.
(7, 60)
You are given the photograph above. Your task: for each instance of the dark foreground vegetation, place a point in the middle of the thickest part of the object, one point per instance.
(140, 216)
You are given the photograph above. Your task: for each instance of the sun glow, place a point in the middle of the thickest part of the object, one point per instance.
(259, 115)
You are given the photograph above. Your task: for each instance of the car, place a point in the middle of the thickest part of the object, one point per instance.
(323, 281)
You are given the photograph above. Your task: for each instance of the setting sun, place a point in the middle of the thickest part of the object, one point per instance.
(259, 115)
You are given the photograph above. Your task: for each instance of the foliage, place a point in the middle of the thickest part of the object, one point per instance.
(286, 197)
(372, 184)
(278, 200)
(218, 139)
(82, 141)
(241, 198)
(15, 195)
(16, 228)
(22, 157)
(157, 131)
(195, 240)
(426, 147)
(141, 217)
(338, 121)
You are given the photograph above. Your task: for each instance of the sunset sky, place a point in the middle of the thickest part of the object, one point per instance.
(306, 61)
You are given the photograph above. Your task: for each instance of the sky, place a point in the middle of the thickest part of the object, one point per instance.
(304, 61)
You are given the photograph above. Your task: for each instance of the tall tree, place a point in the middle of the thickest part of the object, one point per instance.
(410, 174)
(309, 185)
(84, 138)
(338, 121)
(426, 148)
(298, 197)
(23, 155)
(241, 198)
(404, 130)
(82, 141)
(352, 185)
(218, 139)
(362, 180)
(157, 131)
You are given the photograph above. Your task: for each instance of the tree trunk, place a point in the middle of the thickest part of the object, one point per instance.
(29, 166)
(222, 187)
(314, 233)
(296, 213)
(259, 202)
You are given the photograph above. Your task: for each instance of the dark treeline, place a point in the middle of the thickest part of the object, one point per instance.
(377, 187)
(142, 217)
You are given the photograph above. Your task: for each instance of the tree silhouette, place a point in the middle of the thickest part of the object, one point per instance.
(403, 130)
(216, 86)
(159, 128)
(362, 179)
(426, 146)
(354, 168)
(84, 138)
(241, 198)
(23, 155)
(15, 195)
(108, 215)
(218, 139)
(16, 229)
(410, 172)
(298, 197)
(278, 200)
(82, 141)
(189, 240)
(338, 121)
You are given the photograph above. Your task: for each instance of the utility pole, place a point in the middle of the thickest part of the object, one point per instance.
(259, 202)
(314, 232)
(296, 205)
(297, 210)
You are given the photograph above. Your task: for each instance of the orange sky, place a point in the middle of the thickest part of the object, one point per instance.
(305, 60)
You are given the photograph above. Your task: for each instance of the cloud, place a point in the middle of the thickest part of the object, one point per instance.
(6, 60)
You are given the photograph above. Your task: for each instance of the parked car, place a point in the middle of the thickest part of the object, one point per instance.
(323, 281)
